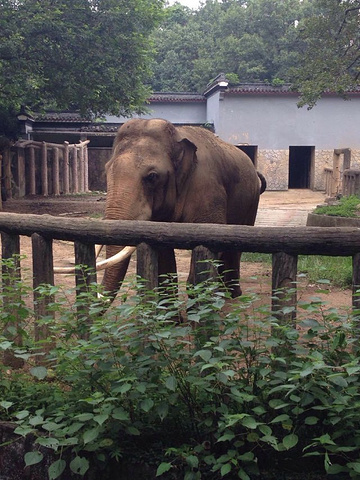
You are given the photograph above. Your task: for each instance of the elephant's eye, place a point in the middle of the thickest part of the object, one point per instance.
(151, 177)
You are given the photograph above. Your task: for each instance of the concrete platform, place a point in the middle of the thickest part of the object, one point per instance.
(287, 208)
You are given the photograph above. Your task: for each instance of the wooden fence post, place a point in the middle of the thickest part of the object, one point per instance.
(43, 273)
(21, 186)
(74, 169)
(147, 266)
(81, 169)
(11, 275)
(66, 168)
(55, 172)
(32, 170)
(44, 170)
(284, 271)
(84, 277)
(86, 164)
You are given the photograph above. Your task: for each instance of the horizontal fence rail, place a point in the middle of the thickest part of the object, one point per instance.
(285, 244)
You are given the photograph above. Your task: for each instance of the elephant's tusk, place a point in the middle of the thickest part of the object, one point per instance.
(117, 258)
(108, 262)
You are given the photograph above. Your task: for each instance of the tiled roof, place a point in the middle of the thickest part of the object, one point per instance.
(176, 97)
(262, 88)
(60, 117)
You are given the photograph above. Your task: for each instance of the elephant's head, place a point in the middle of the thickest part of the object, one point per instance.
(146, 180)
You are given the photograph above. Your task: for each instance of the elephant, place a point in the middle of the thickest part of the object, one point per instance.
(166, 173)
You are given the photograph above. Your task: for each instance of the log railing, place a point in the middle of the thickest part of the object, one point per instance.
(351, 182)
(45, 168)
(285, 244)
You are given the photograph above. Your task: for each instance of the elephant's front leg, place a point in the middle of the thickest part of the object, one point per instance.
(230, 271)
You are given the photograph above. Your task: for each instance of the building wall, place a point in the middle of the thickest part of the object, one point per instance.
(175, 112)
(275, 122)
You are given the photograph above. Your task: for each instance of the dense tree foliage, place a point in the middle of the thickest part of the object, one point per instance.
(332, 54)
(255, 40)
(89, 55)
(312, 44)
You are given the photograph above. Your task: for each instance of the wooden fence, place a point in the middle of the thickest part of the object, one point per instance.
(285, 244)
(340, 179)
(41, 168)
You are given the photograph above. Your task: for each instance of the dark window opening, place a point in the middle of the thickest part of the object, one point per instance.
(300, 166)
(251, 151)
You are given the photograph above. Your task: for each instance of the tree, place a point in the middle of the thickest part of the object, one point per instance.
(88, 55)
(254, 40)
(332, 55)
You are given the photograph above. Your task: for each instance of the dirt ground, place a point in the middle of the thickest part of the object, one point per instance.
(255, 277)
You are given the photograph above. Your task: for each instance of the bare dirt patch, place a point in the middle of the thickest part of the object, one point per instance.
(255, 277)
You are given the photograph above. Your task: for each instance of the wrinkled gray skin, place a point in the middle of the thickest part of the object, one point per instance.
(160, 172)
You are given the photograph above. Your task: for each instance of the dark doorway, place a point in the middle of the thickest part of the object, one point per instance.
(251, 151)
(300, 161)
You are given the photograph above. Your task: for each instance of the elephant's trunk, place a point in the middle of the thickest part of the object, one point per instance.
(114, 275)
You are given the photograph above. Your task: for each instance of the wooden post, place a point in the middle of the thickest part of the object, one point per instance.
(7, 173)
(335, 187)
(66, 168)
(284, 271)
(44, 171)
(147, 265)
(81, 169)
(84, 277)
(32, 170)
(56, 178)
(74, 170)
(21, 172)
(11, 275)
(86, 170)
(43, 273)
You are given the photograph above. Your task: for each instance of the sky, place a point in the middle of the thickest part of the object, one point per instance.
(188, 3)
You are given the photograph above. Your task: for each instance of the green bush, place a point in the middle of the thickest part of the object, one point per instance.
(232, 393)
(346, 207)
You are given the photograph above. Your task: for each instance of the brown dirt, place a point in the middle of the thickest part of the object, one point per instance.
(255, 277)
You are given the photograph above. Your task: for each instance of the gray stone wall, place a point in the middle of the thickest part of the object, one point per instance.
(274, 165)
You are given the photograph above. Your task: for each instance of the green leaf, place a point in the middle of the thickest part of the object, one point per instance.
(100, 419)
(250, 422)
(192, 461)
(204, 354)
(162, 468)
(48, 442)
(225, 469)
(79, 465)
(56, 469)
(32, 458)
(243, 475)
(84, 417)
(91, 435)
(290, 441)
(162, 410)
(280, 418)
(39, 372)
(354, 466)
(120, 414)
(311, 420)
(146, 405)
(5, 404)
(171, 383)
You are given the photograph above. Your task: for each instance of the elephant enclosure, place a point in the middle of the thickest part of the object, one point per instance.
(255, 277)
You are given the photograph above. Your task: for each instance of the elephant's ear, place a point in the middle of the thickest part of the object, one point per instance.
(184, 160)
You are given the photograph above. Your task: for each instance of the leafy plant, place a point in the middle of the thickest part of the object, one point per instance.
(231, 392)
(345, 207)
